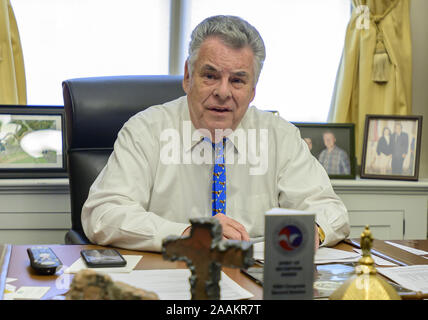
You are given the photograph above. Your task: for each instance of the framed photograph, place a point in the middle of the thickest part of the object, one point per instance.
(391, 147)
(32, 142)
(333, 144)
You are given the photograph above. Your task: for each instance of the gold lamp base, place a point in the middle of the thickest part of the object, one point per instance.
(366, 284)
(365, 287)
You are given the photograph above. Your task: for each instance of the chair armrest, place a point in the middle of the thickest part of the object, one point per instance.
(75, 237)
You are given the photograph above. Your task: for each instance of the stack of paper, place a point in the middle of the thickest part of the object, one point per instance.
(173, 284)
(328, 255)
(411, 277)
(9, 289)
(259, 251)
(24, 292)
(322, 256)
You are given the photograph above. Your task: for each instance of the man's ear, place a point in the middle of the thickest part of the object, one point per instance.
(253, 94)
(186, 78)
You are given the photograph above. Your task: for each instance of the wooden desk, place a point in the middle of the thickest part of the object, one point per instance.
(19, 268)
(19, 265)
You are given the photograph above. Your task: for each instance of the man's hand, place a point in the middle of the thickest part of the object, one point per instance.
(232, 229)
(317, 238)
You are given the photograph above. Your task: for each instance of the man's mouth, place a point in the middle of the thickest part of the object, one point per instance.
(219, 109)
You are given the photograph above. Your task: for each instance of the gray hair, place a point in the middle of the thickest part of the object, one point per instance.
(234, 32)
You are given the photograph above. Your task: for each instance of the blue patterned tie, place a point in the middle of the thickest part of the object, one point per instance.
(219, 180)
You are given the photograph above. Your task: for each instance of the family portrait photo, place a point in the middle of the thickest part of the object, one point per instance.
(391, 147)
(333, 144)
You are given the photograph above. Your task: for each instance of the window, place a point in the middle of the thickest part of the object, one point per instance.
(65, 39)
(304, 41)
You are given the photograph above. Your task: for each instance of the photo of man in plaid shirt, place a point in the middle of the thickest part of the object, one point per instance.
(334, 159)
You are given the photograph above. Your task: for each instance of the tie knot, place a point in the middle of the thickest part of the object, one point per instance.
(216, 145)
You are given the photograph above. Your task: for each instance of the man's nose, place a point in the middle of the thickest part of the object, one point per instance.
(222, 91)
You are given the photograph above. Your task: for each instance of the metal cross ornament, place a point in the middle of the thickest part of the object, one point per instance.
(205, 253)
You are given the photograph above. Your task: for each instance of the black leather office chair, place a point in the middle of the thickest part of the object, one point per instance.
(96, 109)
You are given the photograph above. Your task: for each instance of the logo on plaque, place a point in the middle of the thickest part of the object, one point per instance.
(290, 238)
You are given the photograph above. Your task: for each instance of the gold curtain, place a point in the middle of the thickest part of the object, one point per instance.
(375, 73)
(12, 73)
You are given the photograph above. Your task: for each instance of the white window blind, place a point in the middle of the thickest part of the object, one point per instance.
(304, 41)
(65, 39)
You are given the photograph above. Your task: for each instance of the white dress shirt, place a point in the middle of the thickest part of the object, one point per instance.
(158, 177)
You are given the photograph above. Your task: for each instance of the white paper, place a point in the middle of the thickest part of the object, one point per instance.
(326, 255)
(408, 249)
(8, 280)
(323, 255)
(30, 293)
(259, 251)
(9, 290)
(378, 260)
(131, 262)
(173, 284)
(414, 278)
(257, 239)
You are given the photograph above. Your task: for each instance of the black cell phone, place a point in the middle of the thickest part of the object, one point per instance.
(103, 258)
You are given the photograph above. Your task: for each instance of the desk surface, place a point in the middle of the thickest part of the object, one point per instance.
(19, 266)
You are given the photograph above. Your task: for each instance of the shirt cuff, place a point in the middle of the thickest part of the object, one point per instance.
(169, 229)
(321, 234)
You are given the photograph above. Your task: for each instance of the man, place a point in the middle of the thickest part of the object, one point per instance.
(207, 154)
(334, 159)
(399, 146)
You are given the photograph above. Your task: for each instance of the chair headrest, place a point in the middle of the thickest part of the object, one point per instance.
(96, 108)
